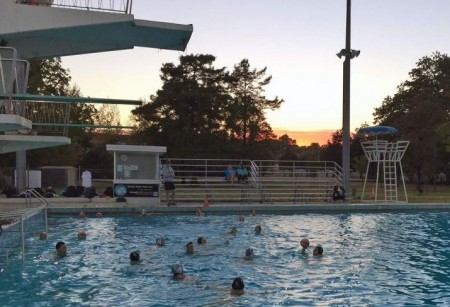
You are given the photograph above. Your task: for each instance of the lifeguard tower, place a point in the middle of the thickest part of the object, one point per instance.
(50, 28)
(387, 155)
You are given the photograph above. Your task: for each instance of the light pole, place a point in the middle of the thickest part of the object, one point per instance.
(349, 54)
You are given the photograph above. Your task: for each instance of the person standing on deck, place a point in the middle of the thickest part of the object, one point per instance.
(169, 186)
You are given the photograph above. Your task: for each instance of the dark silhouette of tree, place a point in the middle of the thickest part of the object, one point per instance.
(418, 110)
(246, 114)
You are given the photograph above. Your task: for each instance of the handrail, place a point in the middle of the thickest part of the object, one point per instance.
(32, 192)
(112, 6)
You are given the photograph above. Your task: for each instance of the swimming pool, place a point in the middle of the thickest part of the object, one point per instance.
(369, 259)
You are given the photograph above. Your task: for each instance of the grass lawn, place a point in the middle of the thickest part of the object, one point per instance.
(431, 193)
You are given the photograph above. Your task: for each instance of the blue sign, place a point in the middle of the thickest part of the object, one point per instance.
(136, 190)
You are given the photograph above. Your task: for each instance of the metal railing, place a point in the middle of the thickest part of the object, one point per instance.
(268, 181)
(31, 194)
(112, 6)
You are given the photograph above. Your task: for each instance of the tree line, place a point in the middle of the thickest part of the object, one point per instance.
(204, 111)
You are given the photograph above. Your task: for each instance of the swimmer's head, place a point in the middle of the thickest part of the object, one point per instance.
(81, 234)
(241, 218)
(43, 235)
(253, 212)
(233, 230)
(304, 243)
(190, 247)
(82, 214)
(178, 271)
(61, 249)
(257, 229)
(201, 240)
(134, 256)
(318, 251)
(160, 241)
(98, 214)
(249, 252)
(143, 212)
(238, 284)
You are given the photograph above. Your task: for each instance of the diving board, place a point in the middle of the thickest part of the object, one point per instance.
(69, 99)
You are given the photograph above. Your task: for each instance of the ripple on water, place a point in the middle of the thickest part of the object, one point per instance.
(369, 259)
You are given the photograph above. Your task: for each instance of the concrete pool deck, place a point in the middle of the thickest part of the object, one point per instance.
(61, 205)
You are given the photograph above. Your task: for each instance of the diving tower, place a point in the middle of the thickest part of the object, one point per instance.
(43, 31)
(49, 28)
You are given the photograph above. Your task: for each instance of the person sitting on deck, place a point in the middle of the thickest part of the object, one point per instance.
(230, 174)
(242, 174)
(338, 192)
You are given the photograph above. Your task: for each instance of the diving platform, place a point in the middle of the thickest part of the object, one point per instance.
(11, 122)
(42, 31)
(19, 142)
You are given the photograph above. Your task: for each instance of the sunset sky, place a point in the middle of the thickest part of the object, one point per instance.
(297, 40)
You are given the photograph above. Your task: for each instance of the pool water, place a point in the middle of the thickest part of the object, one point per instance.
(369, 259)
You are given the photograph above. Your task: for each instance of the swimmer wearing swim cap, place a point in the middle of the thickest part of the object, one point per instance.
(135, 257)
(178, 271)
(233, 230)
(201, 240)
(160, 241)
(43, 235)
(249, 254)
(257, 229)
(190, 248)
(304, 243)
(82, 235)
(318, 251)
(237, 287)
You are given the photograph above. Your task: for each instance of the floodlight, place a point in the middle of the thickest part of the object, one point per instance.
(342, 53)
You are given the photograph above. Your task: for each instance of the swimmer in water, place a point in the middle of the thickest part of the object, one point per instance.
(135, 257)
(237, 287)
(178, 271)
(304, 243)
(82, 214)
(61, 249)
(82, 235)
(43, 235)
(160, 241)
(201, 240)
(258, 230)
(318, 251)
(233, 230)
(190, 248)
(249, 254)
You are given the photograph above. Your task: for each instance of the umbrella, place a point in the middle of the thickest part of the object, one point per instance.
(377, 130)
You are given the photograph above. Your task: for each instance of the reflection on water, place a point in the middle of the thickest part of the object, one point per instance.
(369, 259)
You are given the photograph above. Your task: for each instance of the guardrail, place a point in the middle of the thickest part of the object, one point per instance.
(268, 181)
(113, 6)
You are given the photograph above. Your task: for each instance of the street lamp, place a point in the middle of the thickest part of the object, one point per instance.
(349, 54)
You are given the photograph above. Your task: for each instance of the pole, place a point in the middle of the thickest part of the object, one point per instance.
(346, 104)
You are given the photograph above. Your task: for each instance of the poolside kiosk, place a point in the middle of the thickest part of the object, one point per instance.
(388, 155)
(137, 171)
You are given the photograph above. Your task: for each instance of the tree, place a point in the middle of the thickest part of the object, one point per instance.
(418, 109)
(246, 119)
(188, 113)
(48, 77)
